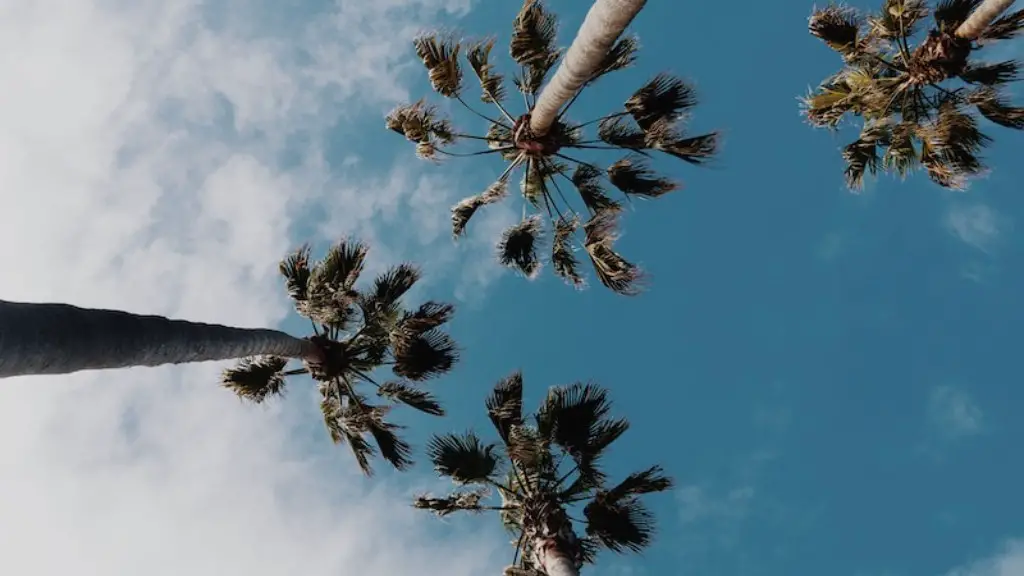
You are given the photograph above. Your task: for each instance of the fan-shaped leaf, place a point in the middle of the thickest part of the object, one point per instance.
(393, 449)
(463, 458)
(621, 56)
(1004, 28)
(424, 356)
(410, 395)
(646, 481)
(467, 207)
(519, 244)
(837, 26)
(587, 180)
(614, 271)
(619, 526)
(991, 74)
(255, 379)
(693, 149)
(563, 260)
(440, 55)
(505, 404)
(295, 269)
(663, 99)
(898, 19)
(533, 34)
(617, 131)
(994, 107)
(633, 177)
(491, 84)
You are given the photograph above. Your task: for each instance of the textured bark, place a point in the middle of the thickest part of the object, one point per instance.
(605, 22)
(553, 560)
(981, 17)
(61, 339)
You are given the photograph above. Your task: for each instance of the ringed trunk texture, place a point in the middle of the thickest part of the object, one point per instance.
(61, 339)
(605, 22)
(982, 16)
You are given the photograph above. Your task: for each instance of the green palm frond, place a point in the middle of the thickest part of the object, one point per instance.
(296, 271)
(440, 55)
(519, 245)
(467, 207)
(505, 405)
(633, 176)
(991, 74)
(662, 99)
(463, 457)
(491, 84)
(412, 396)
(614, 271)
(563, 260)
(256, 379)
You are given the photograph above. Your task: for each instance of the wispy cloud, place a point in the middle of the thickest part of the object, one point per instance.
(953, 413)
(1008, 561)
(977, 225)
(156, 157)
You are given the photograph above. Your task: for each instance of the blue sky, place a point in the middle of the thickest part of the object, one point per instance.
(826, 375)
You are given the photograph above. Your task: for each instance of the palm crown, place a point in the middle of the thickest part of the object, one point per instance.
(915, 102)
(357, 331)
(651, 121)
(544, 469)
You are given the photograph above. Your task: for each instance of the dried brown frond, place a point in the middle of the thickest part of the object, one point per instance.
(440, 55)
(587, 180)
(614, 271)
(491, 83)
(662, 99)
(900, 155)
(1004, 28)
(898, 19)
(838, 26)
(991, 74)
(621, 56)
(861, 155)
(519, 244)
(950, 14)
(619, 131)
(465, 209)
(995, 108)
(563, 260)
(633, 177)
(533, 34)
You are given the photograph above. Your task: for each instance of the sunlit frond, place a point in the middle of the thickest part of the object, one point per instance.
(614, 271)
(563, 260)
(467, 207)
(491, 84)
(440, 55)
(898, 19)
(838, 26)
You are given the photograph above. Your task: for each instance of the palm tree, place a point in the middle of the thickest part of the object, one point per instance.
(650, 121)
(43, 338)
(358, 330)
(918, 103)
(546, 470)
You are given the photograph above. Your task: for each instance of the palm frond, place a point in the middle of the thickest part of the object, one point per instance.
(428, 316)
(646, 481)
(458, 501)
(467, 207)
(693, 149)
(505, 404)
(991, 74)
(409, 395)
(838, 26)
(419, 122)
(256, 379)
(574, 417)
(463, 457)
(618, 131)
(334, 415)
(393, 449)
(900, 155)
(633, 177)
(296, 271)
(587, 181)
(424, 356)
(533, 34)
(332, 280)
(1004, 28)
(950, 14)
(519, 244)
(614, 271)
(563, 260)
(621, 56)
(995, 108)
(492, 84)
(389, 286)
(619, 526)
(440, 55)
(898, 19)
(664, 98)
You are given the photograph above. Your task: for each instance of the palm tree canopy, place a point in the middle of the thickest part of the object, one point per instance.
(358, 331)
(49, 338)
(919, 105)
(553, 162)
(545, 468)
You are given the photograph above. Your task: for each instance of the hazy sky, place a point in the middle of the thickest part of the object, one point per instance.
(831, 378)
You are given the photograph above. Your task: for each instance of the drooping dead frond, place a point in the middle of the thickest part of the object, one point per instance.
(587, 180)
(491, 83)
(614, 271)
(991, 74)
(519, 244)
(633, 177)
(440, 55)
(663, 99)
(563, 260)
(995, 108)
(467, 207)
(838, 26)
(256, 379)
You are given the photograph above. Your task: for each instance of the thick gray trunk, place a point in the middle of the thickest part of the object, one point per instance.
(552, 559)
(982, 16)
(605, 22)
(60, 339)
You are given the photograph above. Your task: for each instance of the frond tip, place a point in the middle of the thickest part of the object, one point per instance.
(614, 271)
(440, 55)
(518, 247)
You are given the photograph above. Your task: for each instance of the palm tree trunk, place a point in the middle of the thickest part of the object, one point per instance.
(61, 339)
(553, 560)
(605, 22)
(981, 17)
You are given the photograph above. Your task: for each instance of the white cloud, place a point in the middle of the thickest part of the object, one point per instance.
(142, 167)
(1009, 561)
(976, 224)
(954, 413)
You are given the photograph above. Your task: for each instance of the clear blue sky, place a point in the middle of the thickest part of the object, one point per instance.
(831, 378)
